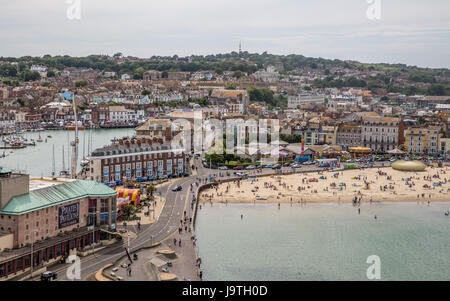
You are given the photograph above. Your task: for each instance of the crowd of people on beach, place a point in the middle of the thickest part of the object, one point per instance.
(282, 188)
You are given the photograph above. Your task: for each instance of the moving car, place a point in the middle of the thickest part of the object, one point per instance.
(49, 276)
(177, 188)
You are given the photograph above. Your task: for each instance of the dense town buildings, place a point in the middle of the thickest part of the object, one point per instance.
(308, 106)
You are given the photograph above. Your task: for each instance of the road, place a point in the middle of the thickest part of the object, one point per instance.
(167, 224)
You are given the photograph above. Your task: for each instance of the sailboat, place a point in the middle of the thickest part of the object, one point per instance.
(39, 139)
(64, 172)
(84, 162)
(53, 163)
(74, 143)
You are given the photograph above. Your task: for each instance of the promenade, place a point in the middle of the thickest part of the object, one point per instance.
(163, 230)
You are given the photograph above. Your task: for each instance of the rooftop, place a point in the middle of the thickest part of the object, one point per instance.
(55, 195)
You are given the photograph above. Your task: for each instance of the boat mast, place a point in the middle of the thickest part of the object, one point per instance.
(53, 162)
(84, 145)
(74, 143)
(64, 167)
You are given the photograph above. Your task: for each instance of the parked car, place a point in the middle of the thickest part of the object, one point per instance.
(250, 167)
(286, 164)
(49, 276)
(177, 188)
(239, 168)
(296, 165)
(268, 166)
(276, 166)
(223, 168)
(310, 163)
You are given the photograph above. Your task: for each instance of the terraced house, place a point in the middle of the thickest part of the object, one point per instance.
(135, 159)
(382, 134)
(423, 140)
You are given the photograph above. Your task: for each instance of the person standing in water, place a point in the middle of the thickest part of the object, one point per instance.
(242, 216)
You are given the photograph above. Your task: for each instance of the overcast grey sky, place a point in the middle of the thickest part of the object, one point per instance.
(414, 32)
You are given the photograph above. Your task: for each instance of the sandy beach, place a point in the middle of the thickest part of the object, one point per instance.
(360, 186)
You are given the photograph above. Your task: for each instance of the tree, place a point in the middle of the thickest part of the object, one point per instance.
(128, 210)
(118, 55)
(436, 90)
(151, 189)
(8, 70)
(146, 92)
(138, 73)
(81, 83)
(237, 74)
(231, 86)
(51, 73)
(28, 75)
(421, 120)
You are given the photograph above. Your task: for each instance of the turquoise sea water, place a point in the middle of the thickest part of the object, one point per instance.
(37, 160)
(323, 241)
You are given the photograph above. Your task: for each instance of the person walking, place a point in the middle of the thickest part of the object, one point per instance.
(179, 242)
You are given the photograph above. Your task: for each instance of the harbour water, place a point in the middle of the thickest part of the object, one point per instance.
(37, 160)
(323, 241)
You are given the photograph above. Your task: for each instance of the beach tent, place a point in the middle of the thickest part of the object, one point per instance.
(128, 196)
(396, 151)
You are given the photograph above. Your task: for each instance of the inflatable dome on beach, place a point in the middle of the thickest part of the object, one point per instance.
(408, 165)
